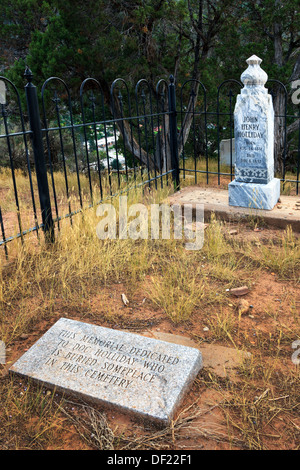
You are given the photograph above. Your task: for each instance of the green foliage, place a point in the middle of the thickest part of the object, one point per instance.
(151, 39)
(145, 39)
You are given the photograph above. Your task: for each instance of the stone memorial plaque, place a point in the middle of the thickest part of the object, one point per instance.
(134, 373)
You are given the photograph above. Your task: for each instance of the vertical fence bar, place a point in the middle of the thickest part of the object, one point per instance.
(206, 137)
(298, 161)
(230, 94)
(49, 159)
(86, 143)
(4, 115)
(74, 148)
(173, 132)
(182, 134)
(38, 151)
(218, 135)
(146, 135)
(193, 95)
(159, 134)
(106, 144)
(56, 101)
(120, 98)
(93, 108)
(3, 234)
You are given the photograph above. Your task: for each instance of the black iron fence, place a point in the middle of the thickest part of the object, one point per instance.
(75, 153)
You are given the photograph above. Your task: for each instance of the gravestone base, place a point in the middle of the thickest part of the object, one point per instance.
(253, 195)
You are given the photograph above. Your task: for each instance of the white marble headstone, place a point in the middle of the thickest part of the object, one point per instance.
(254, 143)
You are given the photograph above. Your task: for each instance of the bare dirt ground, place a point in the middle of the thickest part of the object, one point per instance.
(232, 404)
(251, 405)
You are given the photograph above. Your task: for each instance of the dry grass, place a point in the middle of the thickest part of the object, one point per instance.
(185, 290)
(282, 258)
(31, 411)
(188, 177)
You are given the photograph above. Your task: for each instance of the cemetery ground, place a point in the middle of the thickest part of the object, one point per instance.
(246, 396)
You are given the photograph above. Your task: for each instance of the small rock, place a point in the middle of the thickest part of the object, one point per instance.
(239, 291)
(243, 306)
(279, 206)
(24, 336)
(233, 232)
(205, 328)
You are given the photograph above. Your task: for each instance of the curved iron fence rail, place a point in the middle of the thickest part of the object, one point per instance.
(118, 141)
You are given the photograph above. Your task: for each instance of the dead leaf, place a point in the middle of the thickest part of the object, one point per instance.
(239, 291)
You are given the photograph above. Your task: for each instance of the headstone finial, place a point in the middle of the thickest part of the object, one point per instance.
(254, 60)
(254, 75)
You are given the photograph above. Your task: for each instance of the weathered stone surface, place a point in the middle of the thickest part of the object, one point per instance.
(254, 196)
(254, 127)
(227, 151)
(223, 361)
(216, 201)
(254, 142)
(134, 373)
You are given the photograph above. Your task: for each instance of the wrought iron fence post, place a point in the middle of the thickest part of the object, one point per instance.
(38, 152)
(173, 132)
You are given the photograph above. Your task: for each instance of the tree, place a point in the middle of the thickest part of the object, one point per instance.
(278, 25)
(190, 39)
